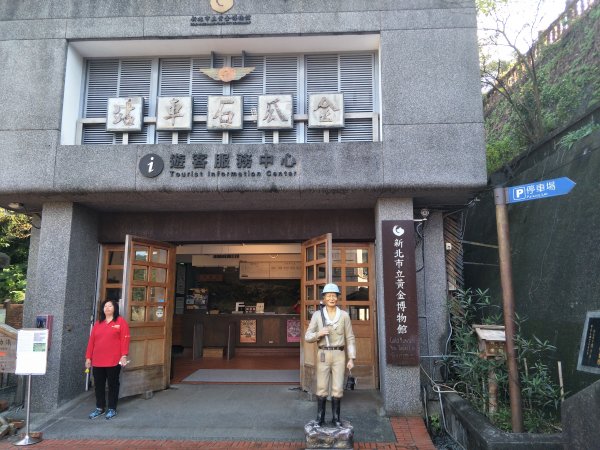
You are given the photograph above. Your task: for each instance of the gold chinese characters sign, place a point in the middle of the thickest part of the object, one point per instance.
(221, 6)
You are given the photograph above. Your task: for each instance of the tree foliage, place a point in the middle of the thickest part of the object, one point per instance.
(540, 89)
(15, 230)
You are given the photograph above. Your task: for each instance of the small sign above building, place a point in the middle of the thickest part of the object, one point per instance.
(225, 112)
(326, 110)
(275, 112)
(125, 115)
(174, 114)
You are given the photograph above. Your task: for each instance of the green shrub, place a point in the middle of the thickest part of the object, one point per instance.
(469, 372)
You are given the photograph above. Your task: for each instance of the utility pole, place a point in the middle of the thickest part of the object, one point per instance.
(508, 306)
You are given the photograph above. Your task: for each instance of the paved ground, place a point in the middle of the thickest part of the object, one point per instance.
(221, 416)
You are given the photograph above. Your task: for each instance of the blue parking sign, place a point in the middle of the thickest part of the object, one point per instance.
(539, 190)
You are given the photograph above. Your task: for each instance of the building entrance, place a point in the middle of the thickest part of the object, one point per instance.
(240, 307)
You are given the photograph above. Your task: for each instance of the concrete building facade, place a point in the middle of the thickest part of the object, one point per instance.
(397, 127)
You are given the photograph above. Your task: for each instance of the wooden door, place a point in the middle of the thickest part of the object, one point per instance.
(148, 308)
(316, 260)
(353, 272)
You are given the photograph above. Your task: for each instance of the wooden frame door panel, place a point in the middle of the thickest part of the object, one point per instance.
(148, 303)
(353, 270)
(316, 272)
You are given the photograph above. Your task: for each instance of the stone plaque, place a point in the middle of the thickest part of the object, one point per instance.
(225, 112)
(326, 110)
(589, 350)
(174, 114)
(125, 115)
(275, 112)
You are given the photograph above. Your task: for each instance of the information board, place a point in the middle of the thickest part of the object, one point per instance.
(32, 351)
(589, 350)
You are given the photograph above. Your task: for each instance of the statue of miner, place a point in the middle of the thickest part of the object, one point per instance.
(331, 328)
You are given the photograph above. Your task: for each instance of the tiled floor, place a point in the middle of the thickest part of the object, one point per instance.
(410, 435)
(410, 432)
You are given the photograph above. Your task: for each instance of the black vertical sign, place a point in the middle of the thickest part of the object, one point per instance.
(400, 293)
(589, 352)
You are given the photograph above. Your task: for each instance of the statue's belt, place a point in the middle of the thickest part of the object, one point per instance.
(332, 348)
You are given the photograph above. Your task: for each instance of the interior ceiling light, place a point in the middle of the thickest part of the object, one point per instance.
(15, 205)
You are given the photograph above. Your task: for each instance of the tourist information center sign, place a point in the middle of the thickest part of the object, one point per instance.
(400, 293)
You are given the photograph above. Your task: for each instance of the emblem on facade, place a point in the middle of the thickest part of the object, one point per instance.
(151, 165)
(227, 74)
(224, 113)
(221, 6)
(326, 110)
(275, 112)
(124, 114)
(174, 114)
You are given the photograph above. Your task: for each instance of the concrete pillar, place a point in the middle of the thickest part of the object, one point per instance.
(432, 290)
(32, 259)
(64, 275)
(399, 386)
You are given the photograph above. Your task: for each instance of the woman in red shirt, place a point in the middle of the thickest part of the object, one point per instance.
(106, 352)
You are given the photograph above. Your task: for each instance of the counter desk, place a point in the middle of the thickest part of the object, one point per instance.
(251, 330)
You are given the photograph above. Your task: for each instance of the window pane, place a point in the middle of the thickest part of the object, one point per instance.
(310, 273)
(116, 258)
(355, 293)
(114, 276)
(359, 312)
(310, 253)
(310, 293)
(320, 288)
(336, 255)
(321, 271)
(357, 274)
(158, 275)
(140, 273)
(141, 253)
(337, 274)
(157, 294)
(156, 313)
(137, 314)
(310, 309)
(159, 255)
(138, 294)
(321, 250)
(357, 255)
(113, 294)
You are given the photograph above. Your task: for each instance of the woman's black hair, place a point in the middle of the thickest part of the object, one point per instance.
(115, 315)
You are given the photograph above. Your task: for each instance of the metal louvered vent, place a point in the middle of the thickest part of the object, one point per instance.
(296, 75)
(356, 82)
(114, 78)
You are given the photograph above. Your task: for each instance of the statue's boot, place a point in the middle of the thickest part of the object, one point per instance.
(321, 402)
(335, 410)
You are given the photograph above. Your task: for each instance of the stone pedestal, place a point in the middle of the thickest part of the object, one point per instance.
(329, 436)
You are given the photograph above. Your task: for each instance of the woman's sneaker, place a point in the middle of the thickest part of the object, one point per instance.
(111, 413)
(95, 413)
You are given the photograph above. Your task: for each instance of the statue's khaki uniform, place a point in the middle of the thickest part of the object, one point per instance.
(331, 359)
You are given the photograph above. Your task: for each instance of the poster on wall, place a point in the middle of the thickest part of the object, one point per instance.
(248, 331)
(293, 330)
(400, 293)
